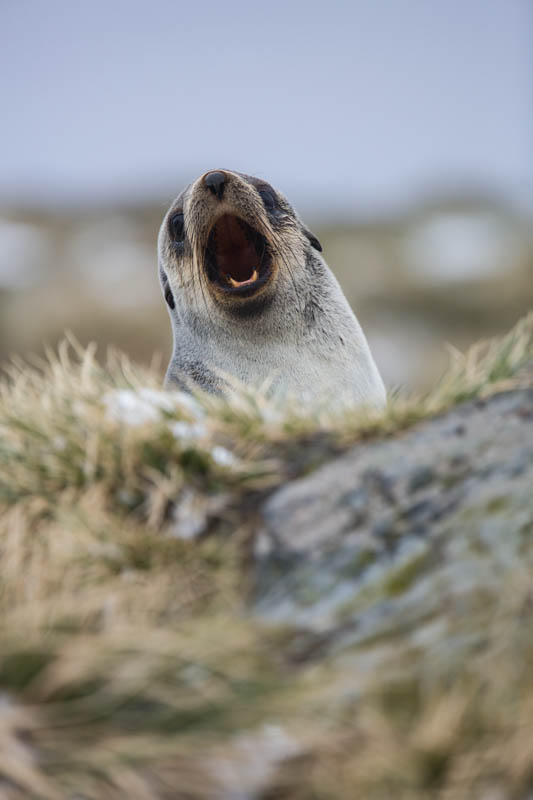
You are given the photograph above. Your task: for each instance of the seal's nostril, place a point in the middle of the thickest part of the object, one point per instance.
(215, 181)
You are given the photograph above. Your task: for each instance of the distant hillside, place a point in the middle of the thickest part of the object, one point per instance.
(451, 269)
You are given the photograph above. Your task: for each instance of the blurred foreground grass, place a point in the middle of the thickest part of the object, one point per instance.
(130, 663)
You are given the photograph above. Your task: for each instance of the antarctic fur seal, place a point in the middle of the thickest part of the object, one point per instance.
(250, 297)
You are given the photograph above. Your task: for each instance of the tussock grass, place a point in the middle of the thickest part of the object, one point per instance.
(129, 664)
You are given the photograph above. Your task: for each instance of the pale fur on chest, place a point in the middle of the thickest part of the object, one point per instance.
(330, 360)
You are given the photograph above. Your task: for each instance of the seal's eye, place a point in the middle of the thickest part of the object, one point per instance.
(269, 201)
(176, 226)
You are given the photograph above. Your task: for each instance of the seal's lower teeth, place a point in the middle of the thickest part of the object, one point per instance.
(253, 277)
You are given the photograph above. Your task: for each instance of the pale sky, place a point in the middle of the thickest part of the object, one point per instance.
(343, 105)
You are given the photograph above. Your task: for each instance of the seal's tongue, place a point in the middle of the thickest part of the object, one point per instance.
(236, 256)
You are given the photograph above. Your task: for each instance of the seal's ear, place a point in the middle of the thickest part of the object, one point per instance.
(313, 240)
(169, 297)
(167, 291)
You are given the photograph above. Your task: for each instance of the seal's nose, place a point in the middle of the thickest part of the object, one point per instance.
(215, 181)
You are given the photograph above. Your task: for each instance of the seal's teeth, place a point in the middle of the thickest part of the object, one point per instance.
(253, 277)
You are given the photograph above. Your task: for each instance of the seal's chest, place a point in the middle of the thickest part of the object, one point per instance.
(288, 367)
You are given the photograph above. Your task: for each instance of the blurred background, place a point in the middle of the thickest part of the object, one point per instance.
(402, 132)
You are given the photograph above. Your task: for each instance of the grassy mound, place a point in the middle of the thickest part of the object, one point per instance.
(130, 665)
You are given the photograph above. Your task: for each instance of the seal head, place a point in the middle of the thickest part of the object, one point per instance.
(248, 293)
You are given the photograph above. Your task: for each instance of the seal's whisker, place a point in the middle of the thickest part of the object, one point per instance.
(197, 270)
(194, 276)
(291, 274)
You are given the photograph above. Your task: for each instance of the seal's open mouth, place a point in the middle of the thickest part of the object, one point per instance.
(237, 258)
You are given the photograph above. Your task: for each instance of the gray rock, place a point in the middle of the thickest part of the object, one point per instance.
(396, 536)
